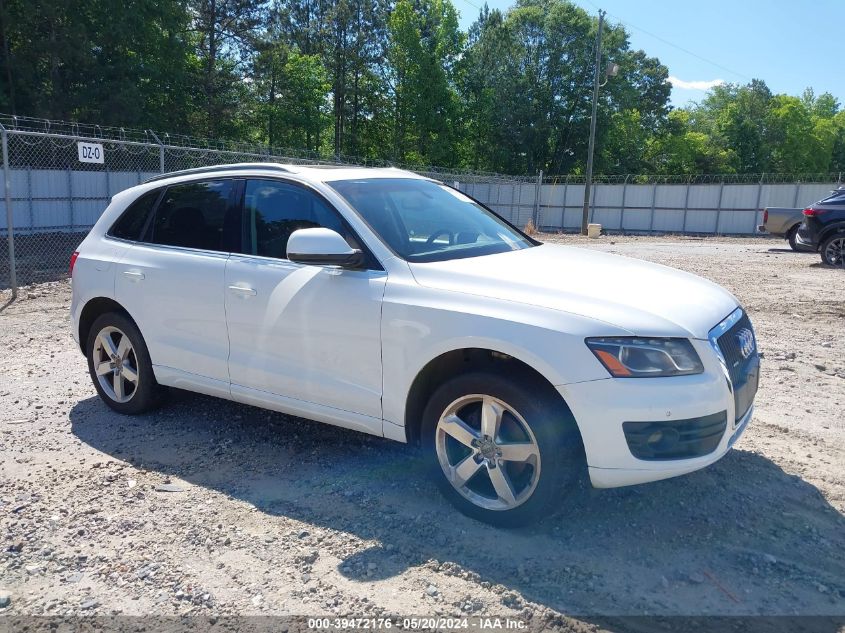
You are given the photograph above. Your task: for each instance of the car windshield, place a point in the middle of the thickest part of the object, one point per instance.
(424, 221)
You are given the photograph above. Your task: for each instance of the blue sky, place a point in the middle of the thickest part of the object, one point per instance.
(790, 45)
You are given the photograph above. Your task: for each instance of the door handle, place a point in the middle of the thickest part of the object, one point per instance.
(134, 275)
(245, 291)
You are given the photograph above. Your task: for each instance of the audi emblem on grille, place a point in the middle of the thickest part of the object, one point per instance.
(745, 341)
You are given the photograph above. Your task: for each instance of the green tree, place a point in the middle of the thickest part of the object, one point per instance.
(838, 151)
(528, 76)
(290, 90)
(679, 149)
(114, 63)
(424, 45)
(225, 34)
(800, 142)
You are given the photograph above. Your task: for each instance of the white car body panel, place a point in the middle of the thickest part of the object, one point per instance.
(181, 313)
(643, 298)
(308, 332)
(344, 347)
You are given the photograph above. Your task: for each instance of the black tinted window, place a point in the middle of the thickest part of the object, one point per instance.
(837, 197)
(131, 223)
(196, 215)
(275, 209)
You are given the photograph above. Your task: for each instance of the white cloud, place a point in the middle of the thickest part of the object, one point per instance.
(694, 85)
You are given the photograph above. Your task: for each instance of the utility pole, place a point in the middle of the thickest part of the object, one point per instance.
(585, 214)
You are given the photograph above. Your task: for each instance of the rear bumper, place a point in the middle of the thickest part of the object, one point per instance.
(805, 241)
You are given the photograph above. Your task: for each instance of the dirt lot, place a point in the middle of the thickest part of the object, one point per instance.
(273, 515)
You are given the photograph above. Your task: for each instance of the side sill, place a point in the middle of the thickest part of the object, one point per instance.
(170, 377)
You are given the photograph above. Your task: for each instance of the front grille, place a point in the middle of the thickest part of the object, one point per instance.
(675, 439)
(743, 363)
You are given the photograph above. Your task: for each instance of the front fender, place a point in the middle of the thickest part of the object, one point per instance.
(421, 325)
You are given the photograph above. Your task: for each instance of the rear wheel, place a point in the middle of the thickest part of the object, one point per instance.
(500, 451)
(833, 250)
(120, 366)
(792, 238)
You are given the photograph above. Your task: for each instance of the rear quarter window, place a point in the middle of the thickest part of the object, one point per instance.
(837, 197)
(132, 221)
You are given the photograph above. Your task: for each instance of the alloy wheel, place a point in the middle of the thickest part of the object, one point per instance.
(488, 452)
(116, 364)
(834, 252)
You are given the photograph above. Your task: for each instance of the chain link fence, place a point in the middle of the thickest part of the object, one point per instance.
(59, 177)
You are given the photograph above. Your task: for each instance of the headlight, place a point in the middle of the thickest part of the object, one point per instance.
(631, 357)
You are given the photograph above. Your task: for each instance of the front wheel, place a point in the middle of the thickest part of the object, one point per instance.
(501, 451)
(120, 366)
(833, 250)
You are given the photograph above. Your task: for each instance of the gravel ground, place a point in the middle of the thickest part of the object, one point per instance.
(213, 508)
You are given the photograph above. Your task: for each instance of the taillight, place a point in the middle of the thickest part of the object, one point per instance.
(810, 212)
(765, 216)
(72, 263)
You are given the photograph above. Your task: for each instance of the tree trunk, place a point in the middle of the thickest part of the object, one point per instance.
(211, 64)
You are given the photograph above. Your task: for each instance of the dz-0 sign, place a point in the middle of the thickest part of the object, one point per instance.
(90, 152)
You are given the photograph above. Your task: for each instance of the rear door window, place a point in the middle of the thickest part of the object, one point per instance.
(197, 215)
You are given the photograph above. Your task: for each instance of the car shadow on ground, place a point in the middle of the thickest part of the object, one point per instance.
(741, 537)
(789, 251)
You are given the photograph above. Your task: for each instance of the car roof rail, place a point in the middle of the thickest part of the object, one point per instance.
(218, 168)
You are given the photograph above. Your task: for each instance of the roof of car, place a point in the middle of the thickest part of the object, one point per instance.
(322, 173)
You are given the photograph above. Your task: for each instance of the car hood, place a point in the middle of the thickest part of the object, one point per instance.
(643, 298)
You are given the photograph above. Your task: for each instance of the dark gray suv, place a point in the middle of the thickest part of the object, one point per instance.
(823, 228)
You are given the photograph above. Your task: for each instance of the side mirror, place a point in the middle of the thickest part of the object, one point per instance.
(322, 247)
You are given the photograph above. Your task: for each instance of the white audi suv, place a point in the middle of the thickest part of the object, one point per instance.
(389, 303)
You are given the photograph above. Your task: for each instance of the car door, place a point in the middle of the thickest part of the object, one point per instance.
(171, 282)
(308, 333)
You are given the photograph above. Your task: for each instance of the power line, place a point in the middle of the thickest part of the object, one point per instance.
(472, 4)
(672, 44)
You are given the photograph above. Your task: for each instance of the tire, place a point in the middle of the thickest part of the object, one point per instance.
(792, 238)
(117, 388)
(537, 423)
(832, 250)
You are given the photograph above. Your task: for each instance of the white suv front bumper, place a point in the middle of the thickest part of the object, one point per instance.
(602, 407)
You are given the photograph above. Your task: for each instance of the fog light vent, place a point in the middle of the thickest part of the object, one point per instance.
(675, 439)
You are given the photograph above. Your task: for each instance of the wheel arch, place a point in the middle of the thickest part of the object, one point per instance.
(836, 227)
(91, 311)
(462, 360)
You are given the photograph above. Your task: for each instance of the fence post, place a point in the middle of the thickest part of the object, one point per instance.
(719, 207)
(653, 204)
(10, 232)
(563, 204)
(29, 196)
(622, 210)
(70, 194)
(160, 151)
(757, 205)
(686, 206)
(537, 190)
